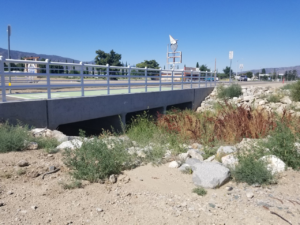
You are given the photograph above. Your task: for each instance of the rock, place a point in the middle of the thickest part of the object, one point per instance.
(112, 178)
(274, 164)
(228, 188)
(192, 162)
(32, 146)
(184, 167)
(70, 144)
(10, 192)
(33, 174)
(1, 204)
(297, 146)
(168, 154)
(59, 136)
(99, 210)
(262, 102)
(41, 132)
(210, 159)
(195, 154)
(196, 146)
(225, 150)
(286, 100)
(249, 195)
(230, 161)
(174, 164)
(210, 175)
(248, 98)
(23, 163)
(183, 156)
(34, 207)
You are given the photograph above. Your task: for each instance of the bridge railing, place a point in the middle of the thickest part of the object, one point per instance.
(49, 80)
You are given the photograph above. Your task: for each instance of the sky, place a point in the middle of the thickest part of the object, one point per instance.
(261, 33)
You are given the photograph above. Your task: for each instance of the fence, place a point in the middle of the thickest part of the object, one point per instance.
(54, 76)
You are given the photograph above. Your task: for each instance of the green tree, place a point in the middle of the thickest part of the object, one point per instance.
(149, 64)
(249, 74)
(204, 68)
(197, 65)
(112, 58)
(227, 71)
(263, 71)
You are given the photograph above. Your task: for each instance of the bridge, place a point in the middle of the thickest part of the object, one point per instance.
(68, 95)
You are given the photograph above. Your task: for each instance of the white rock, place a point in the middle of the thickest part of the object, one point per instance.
(183, 156)
(112, 178)
(297, 146)
(32, 146)
(226, 150)
(195, 154)
(41, 132)
(248, 98)
(34, 207)
(249, 195)
(59, 136)
(168, 154)
(184, 167)
(99, 210)
(210, 159)
(286, 100)
(274, 164)
(23, 163)
(230, 161)
(174, 164)
(70, 144)
(262, 102)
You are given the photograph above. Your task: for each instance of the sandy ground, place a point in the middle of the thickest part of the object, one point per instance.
(145, 195)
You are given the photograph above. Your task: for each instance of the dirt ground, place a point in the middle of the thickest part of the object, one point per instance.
(145, 195)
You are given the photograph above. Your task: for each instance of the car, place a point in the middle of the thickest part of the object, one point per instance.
(243, 78)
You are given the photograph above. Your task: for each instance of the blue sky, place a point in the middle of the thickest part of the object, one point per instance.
(262, 33)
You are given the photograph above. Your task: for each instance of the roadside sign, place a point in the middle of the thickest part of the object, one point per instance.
(31, 68)
(241, 66)
(231, 55)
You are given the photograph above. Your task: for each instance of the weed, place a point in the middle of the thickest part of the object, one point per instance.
(273, 98)
(5, 175)
(72, 185)
(12, 138)
(295, 91)
(252, 171)
(187, 170)
(287, 87)
(21, 172)
(231, 91)
(95, 161)
(200, 191)
(49, 144)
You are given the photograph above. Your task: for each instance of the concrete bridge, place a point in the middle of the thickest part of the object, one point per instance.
(97, 112)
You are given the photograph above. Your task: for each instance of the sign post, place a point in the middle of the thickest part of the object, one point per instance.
(230, 57)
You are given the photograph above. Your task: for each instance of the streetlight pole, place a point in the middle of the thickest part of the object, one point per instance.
(8, 36)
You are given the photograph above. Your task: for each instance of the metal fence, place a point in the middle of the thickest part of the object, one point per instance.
(52, 77)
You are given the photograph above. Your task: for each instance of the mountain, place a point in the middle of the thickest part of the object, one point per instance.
(18, 54)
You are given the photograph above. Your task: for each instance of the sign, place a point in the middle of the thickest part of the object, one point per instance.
(231, 55)
(31, 68)
(241, 66)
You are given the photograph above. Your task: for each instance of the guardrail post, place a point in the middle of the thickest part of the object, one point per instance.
(146, 71)
(182, 80)
(2, 79)
(107, 79)
(129, 76)
(172, 79)
(206, 79)
(159, 79)
(82, 80)
(191, 79)
(199, 79)
(48, 79)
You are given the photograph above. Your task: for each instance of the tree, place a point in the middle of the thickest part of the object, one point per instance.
(149, 64)
(112, 58)
(227, 71)
(263, 71)
(197, 65)
(204, 68)
(249, 74)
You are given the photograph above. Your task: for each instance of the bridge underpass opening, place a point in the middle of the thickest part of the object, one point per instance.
(93, 127)
(182, 106)
(150, 112)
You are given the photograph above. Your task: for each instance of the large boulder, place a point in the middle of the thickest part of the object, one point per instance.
(70, 144)
(191, 161)
(274, 164)
(41, 132)
(210, 175)
(286, 100)
(59, 136)
(195, 154)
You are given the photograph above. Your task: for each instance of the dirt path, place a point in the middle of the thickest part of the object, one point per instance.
(145, 195)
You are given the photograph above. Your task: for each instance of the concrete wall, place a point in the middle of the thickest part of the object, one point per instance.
(55, 112)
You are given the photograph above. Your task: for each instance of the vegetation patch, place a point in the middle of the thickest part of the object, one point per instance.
(71, 185)
(295, 91)
(200, 191)
(234, 90)
(274, 98)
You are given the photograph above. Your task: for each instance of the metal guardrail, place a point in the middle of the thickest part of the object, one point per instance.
(130, 77)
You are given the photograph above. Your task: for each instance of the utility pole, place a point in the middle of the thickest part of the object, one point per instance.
(230, 57)
(8, 36)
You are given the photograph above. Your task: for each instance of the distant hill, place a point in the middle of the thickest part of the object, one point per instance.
(278, 70)
(18, 54)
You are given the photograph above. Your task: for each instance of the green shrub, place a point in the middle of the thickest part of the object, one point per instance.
(252, 171)
(234, 90)
(295, 91)
(200, 191)
(281, 144)
(49, 144)
(287, 87)
(13, 138)
(94, 161)
(273, 98)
